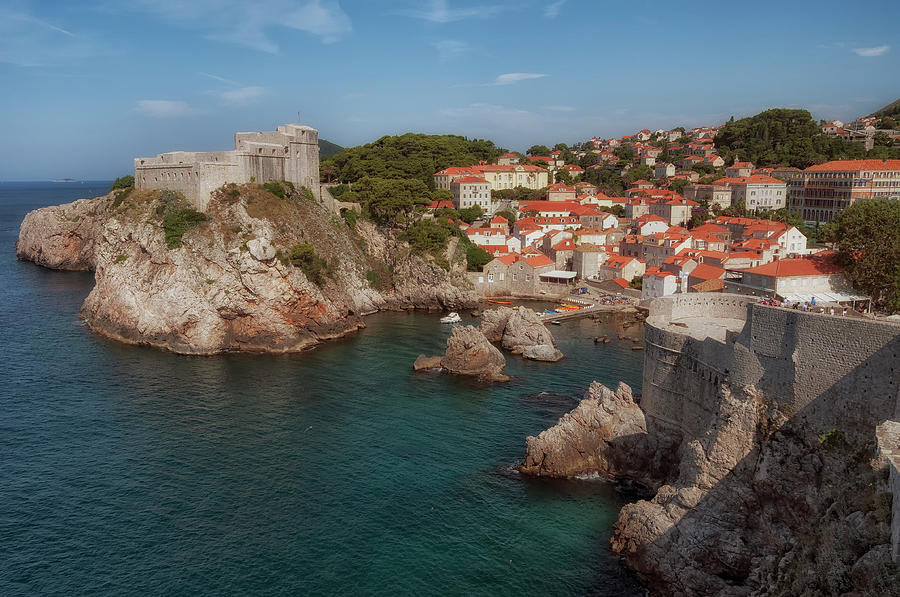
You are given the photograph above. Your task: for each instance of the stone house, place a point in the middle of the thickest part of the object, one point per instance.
(794, 279)
(664, 170)
(586, 259)
(561, 192)
(469, 191)
(656, 283)
(713, 194)
(619, 266)
(513, 275)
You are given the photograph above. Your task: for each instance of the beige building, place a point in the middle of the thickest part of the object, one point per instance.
(821, 192)
(471, 190)
(758, 191)
(499, 176)
(290, 153)
(712, 193)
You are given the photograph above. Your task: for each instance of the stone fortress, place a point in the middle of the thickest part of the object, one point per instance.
(290, 153)
(830, 372)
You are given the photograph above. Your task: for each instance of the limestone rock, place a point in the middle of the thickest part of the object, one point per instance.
(261, 249)
(542, 352)
(222, 289)
(425, 362)
(64, 236)
(601, 435)
(518, 331)
(470, 353)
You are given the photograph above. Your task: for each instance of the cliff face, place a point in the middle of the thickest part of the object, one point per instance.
(65, 236)
(231, 284)
(761, 463)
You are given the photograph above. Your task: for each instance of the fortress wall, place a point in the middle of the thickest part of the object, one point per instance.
(183, 178)
(814, 363)
(833, 372)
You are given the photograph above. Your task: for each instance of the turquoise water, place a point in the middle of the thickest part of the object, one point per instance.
(126, 470)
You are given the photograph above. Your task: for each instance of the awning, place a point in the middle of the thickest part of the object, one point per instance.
(559, 274)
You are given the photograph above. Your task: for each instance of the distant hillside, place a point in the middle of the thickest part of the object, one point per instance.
(780, 136)
(892, 109)
(328, 149)
(408, 156)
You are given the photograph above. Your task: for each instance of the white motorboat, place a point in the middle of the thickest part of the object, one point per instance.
(452, 318)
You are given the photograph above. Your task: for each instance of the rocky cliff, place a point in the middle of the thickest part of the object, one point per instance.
(755, 439)
(257, 273)
(520, 331)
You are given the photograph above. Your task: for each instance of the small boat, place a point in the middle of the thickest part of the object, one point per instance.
(500, 302)
(555, 322)
(549, 312)
(452, 318)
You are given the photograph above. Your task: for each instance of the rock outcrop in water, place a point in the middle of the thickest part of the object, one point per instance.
(65, 236)
(470, 353)
(599, 436)
(233, 283)
(760, 464)
(520, 331)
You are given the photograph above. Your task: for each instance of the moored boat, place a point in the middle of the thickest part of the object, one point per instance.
(451, 318)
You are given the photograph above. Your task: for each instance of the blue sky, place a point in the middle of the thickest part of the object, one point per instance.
(88, 85)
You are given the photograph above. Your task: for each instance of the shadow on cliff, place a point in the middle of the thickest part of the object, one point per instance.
(773, 490)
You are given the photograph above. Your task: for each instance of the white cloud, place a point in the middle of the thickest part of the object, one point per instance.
(248, 23)
(448, 49)
(551, 11)
(876, 51)
(165, 108)
(439, 11)
(28, 41)
(559, 108)
(512, 78)
(221, 79)
(243, 95)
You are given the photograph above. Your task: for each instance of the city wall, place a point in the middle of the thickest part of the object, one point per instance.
(823, 371)
(832, 372)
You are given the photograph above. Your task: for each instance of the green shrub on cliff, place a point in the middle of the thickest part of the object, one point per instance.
(176, 223)
(314, 267)
(123, 182)
(275, 187)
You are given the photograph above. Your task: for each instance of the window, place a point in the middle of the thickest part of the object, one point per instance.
(501, 276)
(490, 278)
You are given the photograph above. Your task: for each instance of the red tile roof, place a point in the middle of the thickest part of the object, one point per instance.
(472, 179)
(822, 265)
(854, 165)
(705, 271)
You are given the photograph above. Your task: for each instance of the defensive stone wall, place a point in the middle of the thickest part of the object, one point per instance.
(833, 372)
(289, 153)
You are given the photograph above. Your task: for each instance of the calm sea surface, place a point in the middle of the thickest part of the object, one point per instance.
(132, 471)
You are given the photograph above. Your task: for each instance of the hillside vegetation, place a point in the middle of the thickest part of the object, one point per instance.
(328, 149)
(409, 156)
(780, 136)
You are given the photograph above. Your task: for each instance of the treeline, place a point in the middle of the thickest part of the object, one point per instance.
(791, 138)
(409, 156)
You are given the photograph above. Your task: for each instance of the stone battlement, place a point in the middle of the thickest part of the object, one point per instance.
(291, 153)
(833, 372)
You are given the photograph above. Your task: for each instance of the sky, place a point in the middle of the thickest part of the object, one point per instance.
(87, 86)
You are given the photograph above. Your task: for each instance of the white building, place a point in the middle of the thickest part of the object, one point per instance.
(471, 190)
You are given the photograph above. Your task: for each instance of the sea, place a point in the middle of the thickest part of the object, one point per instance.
(132, 471)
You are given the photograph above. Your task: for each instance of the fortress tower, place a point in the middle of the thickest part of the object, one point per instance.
(291, 153)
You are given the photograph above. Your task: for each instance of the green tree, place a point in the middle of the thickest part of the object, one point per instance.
(678, 185)
(509, 214)
(637, 173)
(476, 257)
(441, 195)
(470, 214)
(867, 237)
(123, 182)
(392, 202)
(538, 150)
(563, 175)
(408, 156)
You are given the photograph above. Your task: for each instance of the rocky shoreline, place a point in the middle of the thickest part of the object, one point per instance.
(231, 283)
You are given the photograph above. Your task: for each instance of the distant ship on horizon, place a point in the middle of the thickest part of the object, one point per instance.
(63, 180)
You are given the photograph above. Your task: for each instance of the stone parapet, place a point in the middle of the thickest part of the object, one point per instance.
(888, 434)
